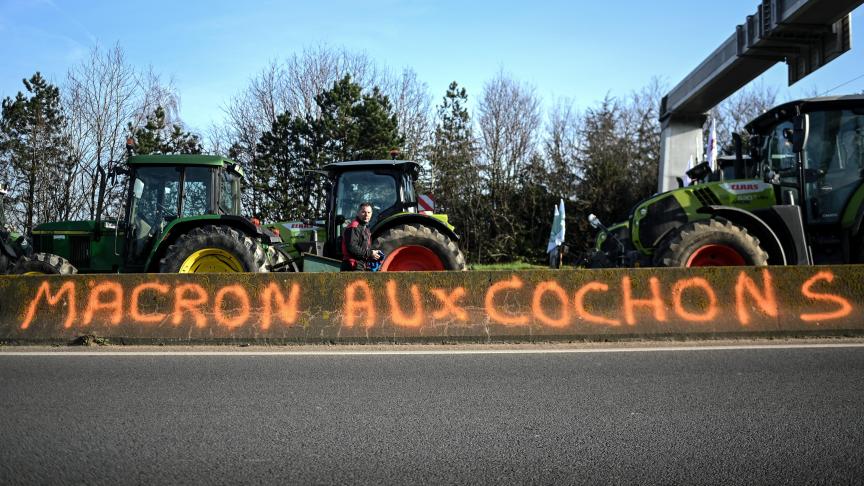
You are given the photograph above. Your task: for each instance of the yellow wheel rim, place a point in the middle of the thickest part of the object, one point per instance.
(34, 273)
(211, 260)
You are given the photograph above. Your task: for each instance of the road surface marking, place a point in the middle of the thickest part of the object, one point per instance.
(433, 352)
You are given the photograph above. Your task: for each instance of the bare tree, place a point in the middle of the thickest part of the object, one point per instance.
(509, 121)
(561, 147)
(104, 96)
(412, 104)
(739, 109)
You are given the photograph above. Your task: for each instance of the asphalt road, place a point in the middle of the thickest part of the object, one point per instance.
(713, 417)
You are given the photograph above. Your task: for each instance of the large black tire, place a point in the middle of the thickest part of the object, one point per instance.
(712, 242)
(44, 264)
(229, 251)
(414, 247)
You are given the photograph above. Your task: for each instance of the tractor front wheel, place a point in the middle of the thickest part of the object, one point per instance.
(214, 249)
(711, 243)
(44, 264)
(414, 247)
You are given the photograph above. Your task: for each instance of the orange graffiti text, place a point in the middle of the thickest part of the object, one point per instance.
(844, 308)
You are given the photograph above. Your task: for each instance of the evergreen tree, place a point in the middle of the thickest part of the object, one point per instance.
(34, 150)
(156, 137)
(455, 181)
(351, 126)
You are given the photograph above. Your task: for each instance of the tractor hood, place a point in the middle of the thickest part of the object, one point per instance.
(66, 227)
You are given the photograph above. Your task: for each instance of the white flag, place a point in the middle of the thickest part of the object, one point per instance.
(556, 236)
(712, 146)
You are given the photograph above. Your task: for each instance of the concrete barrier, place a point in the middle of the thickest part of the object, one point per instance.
(446, 306)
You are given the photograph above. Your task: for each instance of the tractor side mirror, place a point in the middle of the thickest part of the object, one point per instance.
(800, 132)
(700, 172)
(138, 188)
(115, 170)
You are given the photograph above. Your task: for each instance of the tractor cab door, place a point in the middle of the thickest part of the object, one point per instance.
(780, 158)
(834, 157)
(154, 200)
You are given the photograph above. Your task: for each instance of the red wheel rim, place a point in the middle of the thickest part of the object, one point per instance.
(715, 256)
(412, 259)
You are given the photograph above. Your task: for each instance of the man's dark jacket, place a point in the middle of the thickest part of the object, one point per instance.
(356, 246)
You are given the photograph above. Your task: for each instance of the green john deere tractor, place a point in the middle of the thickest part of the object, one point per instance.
(181, 214)
(797, 198)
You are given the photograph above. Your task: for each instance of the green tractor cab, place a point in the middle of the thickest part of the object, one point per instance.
(796, 198)
(181, 213)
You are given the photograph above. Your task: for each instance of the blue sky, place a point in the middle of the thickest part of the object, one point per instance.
(582, 50)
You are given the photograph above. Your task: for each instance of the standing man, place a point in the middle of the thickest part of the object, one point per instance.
(357, 252)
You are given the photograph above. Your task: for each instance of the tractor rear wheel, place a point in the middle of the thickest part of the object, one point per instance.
(44, 264)
(711, 243)
(414, 247)
(214, 249)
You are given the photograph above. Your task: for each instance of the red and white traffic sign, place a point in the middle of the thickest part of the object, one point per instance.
(427, 204)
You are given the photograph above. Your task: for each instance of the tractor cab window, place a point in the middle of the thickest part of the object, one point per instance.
(777, 147)
(155, 195)
(357, 187)
(196, 191)
(409, 194)
(229, 193)
(835, 156)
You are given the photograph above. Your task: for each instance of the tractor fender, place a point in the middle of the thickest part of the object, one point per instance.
(756, 226)
(408, 218)
(184, 225)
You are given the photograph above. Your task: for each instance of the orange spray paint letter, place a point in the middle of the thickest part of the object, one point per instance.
(694, 283)
(95, 304)
(449, 304)
(655, 302)
(68, 288)
(765, 299)
(287, 308)
(845, 308)
(354, 306)
(396, 315)
(241, 314)
(552, 287)
(183, 304)
(135, 311)
(579, 304)
(514, 283)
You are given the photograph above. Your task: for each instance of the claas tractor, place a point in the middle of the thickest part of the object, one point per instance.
(411, 239)
(182, 214)
(796, 197)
